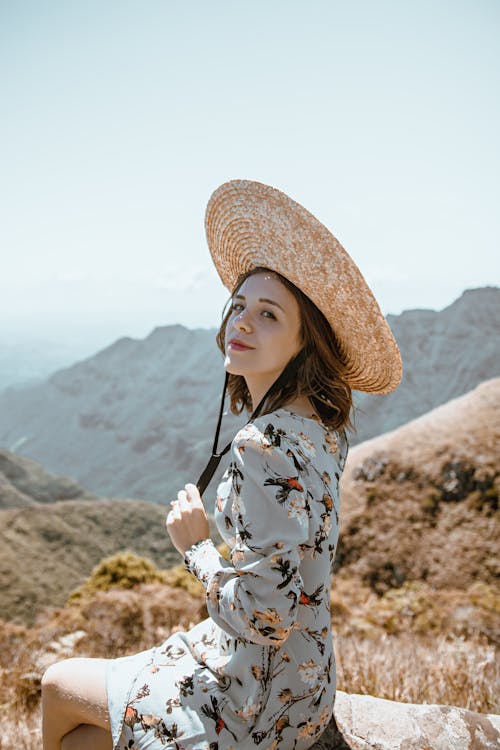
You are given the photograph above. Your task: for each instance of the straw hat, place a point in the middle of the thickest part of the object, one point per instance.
(250, 224)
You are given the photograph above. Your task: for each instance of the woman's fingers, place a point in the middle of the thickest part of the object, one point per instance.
(193, 494)
(184, 502)
(175, 511)
(187, 521)
(188, 499)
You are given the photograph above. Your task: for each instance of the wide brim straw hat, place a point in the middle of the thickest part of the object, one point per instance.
(249, 224)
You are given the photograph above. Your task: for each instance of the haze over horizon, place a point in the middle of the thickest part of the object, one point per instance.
(120, 119)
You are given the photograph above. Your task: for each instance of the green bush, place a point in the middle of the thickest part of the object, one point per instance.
(123, 570)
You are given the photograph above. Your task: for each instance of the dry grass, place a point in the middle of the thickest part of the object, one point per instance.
(408, 668)
(415, 607)
(420, 669)
(22, 735)
(414, 644)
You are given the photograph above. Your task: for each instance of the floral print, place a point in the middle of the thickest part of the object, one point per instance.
(259, 672)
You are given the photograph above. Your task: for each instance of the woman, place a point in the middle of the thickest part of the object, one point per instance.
(303, 329)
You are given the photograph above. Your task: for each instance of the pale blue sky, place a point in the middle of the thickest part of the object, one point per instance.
(119, 118)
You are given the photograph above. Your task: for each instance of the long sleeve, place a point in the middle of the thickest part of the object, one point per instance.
(255, 596)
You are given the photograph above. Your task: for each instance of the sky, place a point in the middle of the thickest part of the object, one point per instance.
(118, 119)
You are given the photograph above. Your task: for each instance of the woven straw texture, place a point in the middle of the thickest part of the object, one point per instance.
(250, 224)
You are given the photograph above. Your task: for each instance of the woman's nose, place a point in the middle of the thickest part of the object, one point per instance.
(242, 322)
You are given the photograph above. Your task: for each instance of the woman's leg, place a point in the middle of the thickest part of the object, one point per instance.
(73, 693)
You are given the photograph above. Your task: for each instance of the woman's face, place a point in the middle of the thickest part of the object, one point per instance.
(265, 317)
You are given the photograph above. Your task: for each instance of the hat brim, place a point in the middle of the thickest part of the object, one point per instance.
(251, 224)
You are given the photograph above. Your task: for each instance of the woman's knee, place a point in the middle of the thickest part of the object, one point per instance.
(58, 676)
(77, 687)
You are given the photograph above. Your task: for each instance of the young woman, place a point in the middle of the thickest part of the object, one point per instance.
(302, 331)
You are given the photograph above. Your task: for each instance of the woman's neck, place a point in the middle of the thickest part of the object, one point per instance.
(301, 406)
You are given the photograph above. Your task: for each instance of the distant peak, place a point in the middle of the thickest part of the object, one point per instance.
(169, 327)
(482, 290)
(175, 329)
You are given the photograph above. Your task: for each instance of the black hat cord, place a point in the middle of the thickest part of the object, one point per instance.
(210, 469)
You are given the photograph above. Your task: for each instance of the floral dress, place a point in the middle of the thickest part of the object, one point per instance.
(259, 672)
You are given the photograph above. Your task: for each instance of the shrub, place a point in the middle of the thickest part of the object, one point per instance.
(430, 503)
(123, 570)
(374, 495)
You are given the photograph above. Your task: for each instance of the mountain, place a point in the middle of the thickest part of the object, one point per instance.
(421, 502)
(444, 354)
(137, 418)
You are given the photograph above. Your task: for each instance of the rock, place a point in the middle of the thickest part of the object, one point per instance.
(362, 722)
(372, 468)
(62, 648)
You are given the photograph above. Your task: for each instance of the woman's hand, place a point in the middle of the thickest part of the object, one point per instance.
(187, 522)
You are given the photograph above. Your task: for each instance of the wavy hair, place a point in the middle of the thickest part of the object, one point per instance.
(320, 377)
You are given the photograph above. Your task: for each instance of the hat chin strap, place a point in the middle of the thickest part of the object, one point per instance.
(289, 371)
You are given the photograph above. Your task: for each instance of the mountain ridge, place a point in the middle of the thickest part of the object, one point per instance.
(137, 418)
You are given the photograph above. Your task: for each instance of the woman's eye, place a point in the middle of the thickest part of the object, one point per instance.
(237, 307)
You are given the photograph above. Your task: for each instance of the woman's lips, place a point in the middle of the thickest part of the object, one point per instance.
(239, 347)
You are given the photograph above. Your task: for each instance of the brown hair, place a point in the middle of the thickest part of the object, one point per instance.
(320, 376)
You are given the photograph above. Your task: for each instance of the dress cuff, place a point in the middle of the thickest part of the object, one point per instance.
(203, 560)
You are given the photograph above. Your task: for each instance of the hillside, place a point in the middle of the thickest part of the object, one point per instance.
(24, 482)
(421, 502)
(417, 504)
(46, 551)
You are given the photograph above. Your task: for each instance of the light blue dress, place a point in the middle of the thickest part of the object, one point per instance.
(259, 672)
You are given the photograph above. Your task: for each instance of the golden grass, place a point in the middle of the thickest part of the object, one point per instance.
(415, 607)
(421, 669)
(407, 668)
(22, 735)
